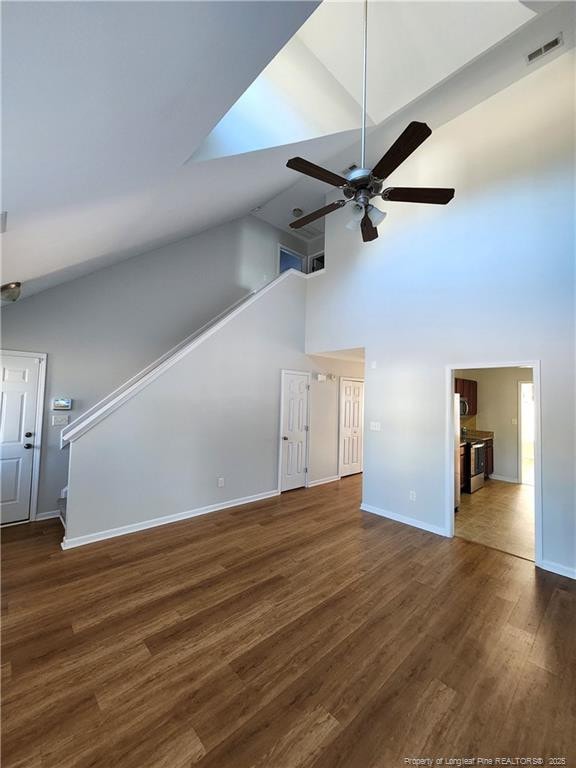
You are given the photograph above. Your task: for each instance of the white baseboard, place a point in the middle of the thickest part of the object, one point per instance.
(439, 530)
(504, 479)
(111, 533)
(47, 515)
(561, 570)
(53, 514)
(322, 481)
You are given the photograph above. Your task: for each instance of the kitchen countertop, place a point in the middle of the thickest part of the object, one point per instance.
(474, 435)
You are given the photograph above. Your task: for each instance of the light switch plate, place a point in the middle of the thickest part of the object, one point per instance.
(60, 419)
(375, 426)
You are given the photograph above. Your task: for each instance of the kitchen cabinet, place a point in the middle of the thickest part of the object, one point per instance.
(489, 458)
(468, 389)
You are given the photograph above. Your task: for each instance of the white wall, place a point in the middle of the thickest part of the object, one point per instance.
(487, 279)
(101, 329)
(214, 414)
(498, 411)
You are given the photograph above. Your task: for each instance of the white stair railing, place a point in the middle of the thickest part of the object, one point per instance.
(114, 400)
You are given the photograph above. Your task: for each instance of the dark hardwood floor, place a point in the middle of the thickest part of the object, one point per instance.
(297, 632)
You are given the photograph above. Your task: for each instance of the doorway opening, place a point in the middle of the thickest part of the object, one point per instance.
(321, 438)
(494, 440)
(526, 431)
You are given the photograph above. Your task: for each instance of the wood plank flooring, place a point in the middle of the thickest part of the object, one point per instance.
(297, 632)
(499, 515)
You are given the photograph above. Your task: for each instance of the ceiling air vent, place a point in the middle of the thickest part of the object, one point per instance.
(308, 232)
(544, 49)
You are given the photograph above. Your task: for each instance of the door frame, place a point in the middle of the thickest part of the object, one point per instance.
(39, 423)
(348, 378)
(283, 372)
(449, 446)
(519, 407)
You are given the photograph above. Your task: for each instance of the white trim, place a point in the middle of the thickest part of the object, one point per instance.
(404, 519)
(38, 426)
(342, 379)
(308, 375)
(126, 391)
(504, 479)
(48, 515)
(310, 275)
(449, 446)
(558, 568)
(55, 514)
(111, 533)
(323, 481)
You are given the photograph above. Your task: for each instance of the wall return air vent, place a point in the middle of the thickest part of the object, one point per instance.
(551, 45)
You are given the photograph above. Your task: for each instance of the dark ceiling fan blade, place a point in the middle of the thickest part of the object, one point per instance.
(317, 214)
(308, 168)
(409, 140)
(434, 195)
(369, 231)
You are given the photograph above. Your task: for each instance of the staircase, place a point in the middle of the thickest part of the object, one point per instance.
(206, 409)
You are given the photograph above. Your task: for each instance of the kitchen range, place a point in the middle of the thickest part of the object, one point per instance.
(473, 449)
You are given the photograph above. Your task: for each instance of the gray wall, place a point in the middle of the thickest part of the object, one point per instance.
(486, 279)
(101, 329)
(214, 413)
(498, 409)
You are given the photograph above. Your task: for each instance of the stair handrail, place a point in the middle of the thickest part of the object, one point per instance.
(91, 416)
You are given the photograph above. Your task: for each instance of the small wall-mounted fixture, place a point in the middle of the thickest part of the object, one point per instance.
(10, 291)
(297, 212)
(3, 222)
(322, 378)
(62, 404)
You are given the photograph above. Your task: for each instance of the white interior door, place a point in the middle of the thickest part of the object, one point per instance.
(351, 426)
(18, 447)
(294, 437)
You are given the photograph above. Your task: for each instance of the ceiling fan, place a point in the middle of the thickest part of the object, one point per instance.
(361, 185)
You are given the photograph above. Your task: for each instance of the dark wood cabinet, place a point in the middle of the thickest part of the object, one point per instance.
(489, 458)
(468, 389)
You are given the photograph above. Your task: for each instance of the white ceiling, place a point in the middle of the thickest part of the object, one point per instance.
(412, 46)
(102, 104)
(105, 102)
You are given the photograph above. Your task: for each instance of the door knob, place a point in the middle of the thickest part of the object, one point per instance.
(28, 434)
(284, 438)
(28, 446)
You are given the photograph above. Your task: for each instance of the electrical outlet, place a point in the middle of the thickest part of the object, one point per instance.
(412, 495)
(220, 482)
(515, 422)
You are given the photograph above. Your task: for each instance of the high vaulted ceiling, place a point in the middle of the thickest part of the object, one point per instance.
(127, 125)
(102, 104)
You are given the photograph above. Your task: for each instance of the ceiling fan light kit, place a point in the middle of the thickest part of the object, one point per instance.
(360, 185)
(10, 291)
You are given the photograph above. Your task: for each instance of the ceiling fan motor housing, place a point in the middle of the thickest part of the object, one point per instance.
(362, 186)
